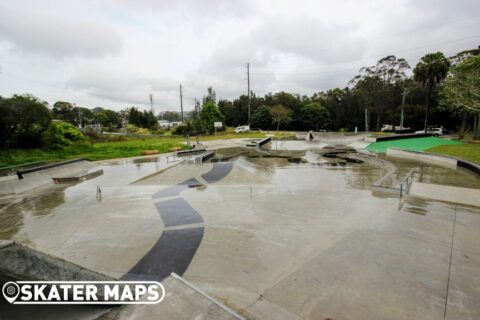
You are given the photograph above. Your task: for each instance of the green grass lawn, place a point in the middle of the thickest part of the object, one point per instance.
(415, 144)
(467, 151)
(106, 150)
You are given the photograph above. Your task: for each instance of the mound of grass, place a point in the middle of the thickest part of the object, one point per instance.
(415, 144)
(467, 151)
(107, 150)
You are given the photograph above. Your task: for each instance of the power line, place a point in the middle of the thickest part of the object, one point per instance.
(376, 56)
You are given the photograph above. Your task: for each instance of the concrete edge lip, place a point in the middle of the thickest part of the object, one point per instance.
(469, 165)
(210, 298)
(6, 243)
(20, 261)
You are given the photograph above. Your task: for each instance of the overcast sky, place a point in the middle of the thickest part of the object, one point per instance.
(115, 53)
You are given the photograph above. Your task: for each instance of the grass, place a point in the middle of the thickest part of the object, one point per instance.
(415, 144)
(467, 151)
(107, 150)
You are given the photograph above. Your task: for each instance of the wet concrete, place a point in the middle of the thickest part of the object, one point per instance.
(172, 253)
(276, 239)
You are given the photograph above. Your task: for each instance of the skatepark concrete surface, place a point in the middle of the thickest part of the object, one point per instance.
(277, 233)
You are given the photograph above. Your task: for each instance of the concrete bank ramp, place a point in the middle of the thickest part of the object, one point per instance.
(41, 176)
(20, 262)
(466, 196)
(182, 301)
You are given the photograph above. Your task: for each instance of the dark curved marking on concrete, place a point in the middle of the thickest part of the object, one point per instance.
(175, 249)
(218, 172)
(175, 190)
(173, 252)
(177, 212)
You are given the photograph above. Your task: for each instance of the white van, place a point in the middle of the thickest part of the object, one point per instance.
(242, 129)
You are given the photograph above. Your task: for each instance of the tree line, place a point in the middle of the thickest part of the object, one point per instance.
(441, 91)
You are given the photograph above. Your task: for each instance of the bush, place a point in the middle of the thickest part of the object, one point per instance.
(63, 134)
(93, 134)
(116, 138)
(180, 130)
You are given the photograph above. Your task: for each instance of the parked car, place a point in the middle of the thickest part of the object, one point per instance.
(435, 131)
(242, 129)
(396, 129)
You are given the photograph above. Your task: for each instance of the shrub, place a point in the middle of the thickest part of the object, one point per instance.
(180, 130)
(116, 138)
(93, 134)
(63, 134)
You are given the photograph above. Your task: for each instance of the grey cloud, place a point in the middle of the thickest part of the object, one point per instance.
(204, 8)
(310, 38)
(32, 31)
(122, 87)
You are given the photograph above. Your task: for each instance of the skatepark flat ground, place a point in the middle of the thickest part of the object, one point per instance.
(279, 240)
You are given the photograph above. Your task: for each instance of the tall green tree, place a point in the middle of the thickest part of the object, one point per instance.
(280, 114)
(314, 116)
(376, 84)
(430, 71)
(26, 118)
(211, 114)
(262, 118)
(108, 118)
(461, 90)
(64, 111)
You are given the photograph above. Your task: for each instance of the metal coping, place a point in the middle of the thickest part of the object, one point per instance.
(264, 141)
(188, 152)
(403, 136)
(211, 299)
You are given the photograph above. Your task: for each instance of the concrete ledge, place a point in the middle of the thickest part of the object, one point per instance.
(465, 196)
(203, 156)
(42, 176)
(423, 156)
(186, 153)
(469, 165)
(264, 141)
(20, 173)
(79, 177)
(447, 161)
(399, 137)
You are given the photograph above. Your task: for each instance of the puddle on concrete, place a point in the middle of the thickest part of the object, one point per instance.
(276, 196)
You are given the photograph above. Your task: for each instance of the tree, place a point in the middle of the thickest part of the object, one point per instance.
(376, 84)
(314, 116)
(280, 114)
(211, 96)
(64, 111)
(430, 71)
(461, 90)
(108, 118)
(172, 116)
(210, 114)
(145, 119)
(262, 118)
(26, 118)
(63, 134)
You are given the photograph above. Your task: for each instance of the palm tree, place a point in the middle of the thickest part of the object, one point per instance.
(430, 71)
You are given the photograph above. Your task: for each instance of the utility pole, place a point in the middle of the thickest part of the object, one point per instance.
(181, 101)
(152, 108)
(366, 120)
(403, 105)
(248, 88)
